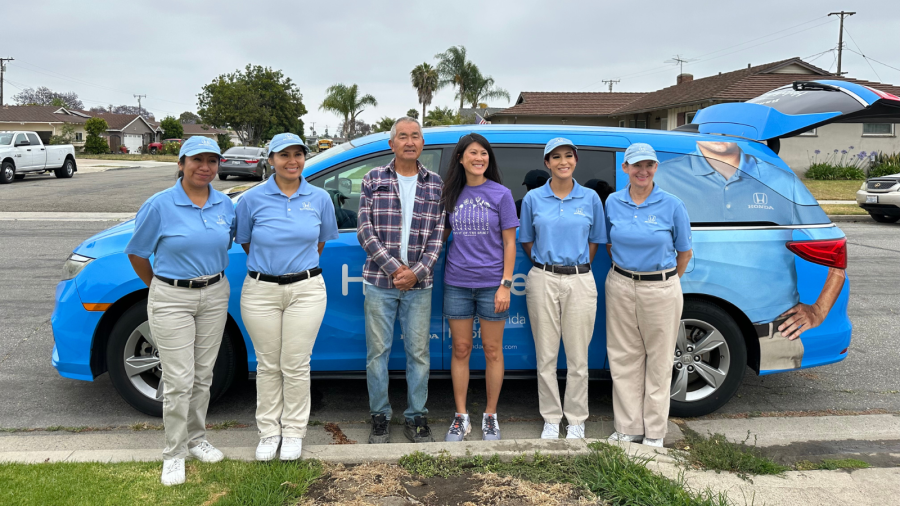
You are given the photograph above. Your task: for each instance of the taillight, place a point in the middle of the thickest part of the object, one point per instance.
(252, 161)
(830, 252)
(224, 160)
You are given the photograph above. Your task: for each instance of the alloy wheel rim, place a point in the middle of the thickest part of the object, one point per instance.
(8, 173)
(69, 168)
(142, 365)
(701, 363)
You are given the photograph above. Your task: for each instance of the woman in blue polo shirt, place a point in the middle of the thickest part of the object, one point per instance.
(283, 225)
(562, 225)
(188, 229)
(650, 245)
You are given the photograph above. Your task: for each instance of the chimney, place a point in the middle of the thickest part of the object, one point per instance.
(684, 78)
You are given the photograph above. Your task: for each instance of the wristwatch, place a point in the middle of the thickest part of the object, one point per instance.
(507, 283)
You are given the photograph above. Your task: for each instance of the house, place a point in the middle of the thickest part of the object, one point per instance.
(129, 130)
(671, 107)
(46, 120)
(191, 129)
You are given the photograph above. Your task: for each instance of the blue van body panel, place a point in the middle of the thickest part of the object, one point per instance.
(757, 122)
(73, 333)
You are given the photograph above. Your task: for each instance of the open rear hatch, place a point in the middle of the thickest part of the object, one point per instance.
(796, 108)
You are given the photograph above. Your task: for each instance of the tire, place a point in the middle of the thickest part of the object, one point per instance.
(883, 218)
(153, 151)
(19, 177)
(699, 390)
(7, 173)
(223, 177)
(67, 170)
(139, 390)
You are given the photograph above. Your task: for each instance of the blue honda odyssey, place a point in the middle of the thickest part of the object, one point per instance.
(762, 245)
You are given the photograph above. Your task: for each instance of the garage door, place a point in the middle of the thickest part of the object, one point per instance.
(134, 142)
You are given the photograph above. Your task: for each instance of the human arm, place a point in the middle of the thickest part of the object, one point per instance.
(366, 234)
(592, 250)
(433, 245)
(803, 317)
(142, 267)
(682, 238)
(599, 233)
(681, 261)
(321, 247)
(246, 247)
(501, 298)
(143, 242)
(526, 226)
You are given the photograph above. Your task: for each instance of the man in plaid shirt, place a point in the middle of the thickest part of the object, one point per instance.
(401, 224)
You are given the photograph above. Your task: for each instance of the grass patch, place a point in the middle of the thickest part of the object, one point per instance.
(719, 454)
(540, 468)
(225, 483)
(124, 156)
(832, 190)
(843, 209)
(227, 424)
(830, 465)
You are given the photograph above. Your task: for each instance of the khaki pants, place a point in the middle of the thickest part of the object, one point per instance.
(562, 305)
(642, 320)
(187, 326)
(283, 321)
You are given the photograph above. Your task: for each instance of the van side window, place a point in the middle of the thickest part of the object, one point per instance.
(343, 184)
(20, 139)
(33, 139)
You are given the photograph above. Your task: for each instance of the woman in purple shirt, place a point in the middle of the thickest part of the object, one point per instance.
(481, 213)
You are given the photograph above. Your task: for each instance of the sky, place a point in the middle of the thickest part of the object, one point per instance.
(107, 52)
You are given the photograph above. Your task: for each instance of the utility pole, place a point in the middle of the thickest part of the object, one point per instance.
(842, 14)
(139, 97)
(611, 82)
(2, 70)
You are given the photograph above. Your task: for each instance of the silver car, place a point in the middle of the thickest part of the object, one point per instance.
(880, 196)
(245, 161)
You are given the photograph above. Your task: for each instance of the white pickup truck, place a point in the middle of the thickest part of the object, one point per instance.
(23, 153)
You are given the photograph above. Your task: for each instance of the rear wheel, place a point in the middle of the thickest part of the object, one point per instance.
(67, 170)
(223, 177)
(709, 362)
(135, 368)
(153, 151)
(883, 218)
(7, 173)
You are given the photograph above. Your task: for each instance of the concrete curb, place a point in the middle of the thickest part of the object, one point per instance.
(851, 217)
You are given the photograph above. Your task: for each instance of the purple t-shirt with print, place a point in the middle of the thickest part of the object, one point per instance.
(475, 256)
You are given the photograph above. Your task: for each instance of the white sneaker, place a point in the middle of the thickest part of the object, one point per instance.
(267, 448)
(551, 431)
(575, 431)
(205, 452)
(291, 448)
(649, 441)
(172, 472)
(618, 436)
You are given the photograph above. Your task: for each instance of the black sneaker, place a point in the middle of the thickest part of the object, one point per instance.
(381, 430)
(418, 431)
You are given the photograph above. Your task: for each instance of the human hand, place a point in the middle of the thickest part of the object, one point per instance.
(501, 299)
(802, 318)
(404, 278)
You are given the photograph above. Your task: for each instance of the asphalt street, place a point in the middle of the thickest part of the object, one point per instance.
(32, 394)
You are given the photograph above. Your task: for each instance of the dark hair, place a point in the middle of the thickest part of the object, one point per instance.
(456, 174)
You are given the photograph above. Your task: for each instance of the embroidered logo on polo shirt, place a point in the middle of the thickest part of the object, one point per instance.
(579, 211)
(760, 201)
(306, 206)
(651, 219)
(221, 220)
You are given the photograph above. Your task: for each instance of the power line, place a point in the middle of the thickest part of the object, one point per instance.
(864, 56)
(874, 60)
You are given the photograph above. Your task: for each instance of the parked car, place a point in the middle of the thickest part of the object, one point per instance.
(757, 252)
(24, 153)
(880, 196)
(156, 147)
(245, 161)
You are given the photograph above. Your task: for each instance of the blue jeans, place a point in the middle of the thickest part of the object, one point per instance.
(383, 306)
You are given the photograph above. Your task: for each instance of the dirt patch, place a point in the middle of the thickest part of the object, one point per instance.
(337, 435)
(390, 485)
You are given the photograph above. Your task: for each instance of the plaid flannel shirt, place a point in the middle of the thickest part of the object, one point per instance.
(380, 224)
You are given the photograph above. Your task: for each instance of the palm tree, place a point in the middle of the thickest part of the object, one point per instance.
(345, 101)
(481, 89)
(426, 80)
(442, 116)
(455, 70)
(384, 124)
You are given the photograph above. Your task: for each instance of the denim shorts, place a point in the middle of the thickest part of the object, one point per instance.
(464, 303)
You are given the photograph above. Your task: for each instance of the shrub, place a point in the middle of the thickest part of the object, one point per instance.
(884, 170)
(224, 141)
(827, 171)
(172, 127)
(171, 148)
(93, 143)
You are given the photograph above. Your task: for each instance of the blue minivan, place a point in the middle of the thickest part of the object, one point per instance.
(761, 246)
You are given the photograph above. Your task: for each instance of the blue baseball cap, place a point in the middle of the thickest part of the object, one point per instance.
(281, 141)
(199, 144)
(557, 142)
(638, 152)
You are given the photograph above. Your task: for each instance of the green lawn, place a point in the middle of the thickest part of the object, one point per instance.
(843, 209)
(833, 190)
(124, 156)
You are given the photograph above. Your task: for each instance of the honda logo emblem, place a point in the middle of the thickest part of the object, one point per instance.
(760, 199)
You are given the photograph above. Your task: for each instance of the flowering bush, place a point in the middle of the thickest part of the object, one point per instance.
(885, 165)
(839, 164)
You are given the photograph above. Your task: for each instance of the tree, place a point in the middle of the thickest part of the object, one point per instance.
(442, 116)
(454, 69)
(188, 118)
(45, 96)
(426, 80)
(256, 102)
(385, 124)
(345, 101)
(413, 113)
(172, 128)
(93, 143)
(66, 135)
(357, 129)
(481, 89)
(224, 141)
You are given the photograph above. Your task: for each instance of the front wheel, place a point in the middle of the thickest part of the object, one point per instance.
(153, 151)
(223, 177)
(135, 368)
(883, 218)
(66, 171)
(7, 173)
(709, 361)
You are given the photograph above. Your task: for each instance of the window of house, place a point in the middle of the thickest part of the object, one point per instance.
(664, 123)
(79, 136)
(640, 123)
(689, 117)
(878, 129)
(621, 123)
(808, 133)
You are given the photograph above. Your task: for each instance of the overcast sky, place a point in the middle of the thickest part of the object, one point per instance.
(108, 51)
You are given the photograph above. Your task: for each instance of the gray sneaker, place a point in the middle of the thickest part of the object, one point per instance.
(459, 429)
(490, 428)
(381, 430)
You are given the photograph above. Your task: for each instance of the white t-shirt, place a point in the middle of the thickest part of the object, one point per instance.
(407, 202)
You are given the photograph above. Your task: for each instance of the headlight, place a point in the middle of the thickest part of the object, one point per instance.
(74, 264)
(863, 187)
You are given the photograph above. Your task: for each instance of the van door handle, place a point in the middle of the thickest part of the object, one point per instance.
(42, 149)
(29, 149)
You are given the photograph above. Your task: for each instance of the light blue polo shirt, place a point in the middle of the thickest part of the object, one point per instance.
(646, 237)
(562, 228)
(187, 241)
(284, 232)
